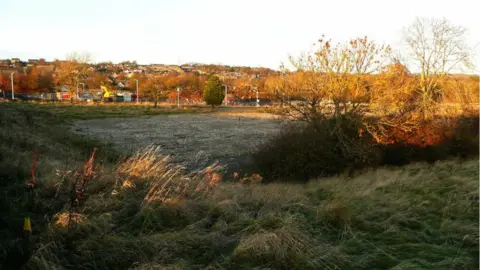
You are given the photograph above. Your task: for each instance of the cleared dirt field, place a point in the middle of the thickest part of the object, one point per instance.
(195, 140)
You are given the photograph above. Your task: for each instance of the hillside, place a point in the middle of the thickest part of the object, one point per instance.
(143, 212)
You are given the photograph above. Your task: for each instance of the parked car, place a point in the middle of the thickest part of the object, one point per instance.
(86, 97)
(17, 96)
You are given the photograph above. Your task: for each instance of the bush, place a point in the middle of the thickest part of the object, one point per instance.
(338, 145)
(318, 148)
(434, 140)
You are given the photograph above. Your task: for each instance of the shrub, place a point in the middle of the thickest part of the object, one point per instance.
(341, 144)
(433, 140)
(318, 148)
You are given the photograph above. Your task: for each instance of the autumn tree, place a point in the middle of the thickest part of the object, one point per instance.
(436, 48)
(44, 81)
(96, 80)
(330, 80)
(142, 82)
(29, 81)
(36, 80)
(157, 88)
(3, 81)
(392, 90)
(245, 86)
(213, 94)
(192, 86)
(74, 70)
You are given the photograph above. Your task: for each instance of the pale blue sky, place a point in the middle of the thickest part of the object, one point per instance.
(255, 33)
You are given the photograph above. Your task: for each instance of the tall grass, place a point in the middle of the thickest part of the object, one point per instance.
(421, 216)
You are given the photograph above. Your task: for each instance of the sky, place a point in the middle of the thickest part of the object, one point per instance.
(231, 32)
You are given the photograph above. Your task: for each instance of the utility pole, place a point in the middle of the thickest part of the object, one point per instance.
(136, 82)
(178, 97)
(11, 78)
(256, 88)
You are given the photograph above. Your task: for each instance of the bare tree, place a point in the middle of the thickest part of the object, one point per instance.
(436, 48)
(81, 58)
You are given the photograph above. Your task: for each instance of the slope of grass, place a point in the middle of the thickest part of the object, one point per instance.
(143, 212)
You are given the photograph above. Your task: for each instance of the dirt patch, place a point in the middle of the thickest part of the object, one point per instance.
(196, 140)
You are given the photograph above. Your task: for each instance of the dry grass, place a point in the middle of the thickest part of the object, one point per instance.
(146, 212)
(385, 218)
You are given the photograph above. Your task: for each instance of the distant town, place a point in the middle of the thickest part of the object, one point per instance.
(78, 79)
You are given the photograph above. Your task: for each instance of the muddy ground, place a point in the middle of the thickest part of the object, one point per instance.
(195, 140)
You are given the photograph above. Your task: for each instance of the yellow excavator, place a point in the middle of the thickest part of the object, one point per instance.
(107, 96)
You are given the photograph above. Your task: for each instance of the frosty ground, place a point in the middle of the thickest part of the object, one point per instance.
(195, 140)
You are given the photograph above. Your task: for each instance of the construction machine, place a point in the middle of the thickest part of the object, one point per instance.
(107, 95)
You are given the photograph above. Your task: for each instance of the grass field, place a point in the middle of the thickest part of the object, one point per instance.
(145, 212)
(85, 111)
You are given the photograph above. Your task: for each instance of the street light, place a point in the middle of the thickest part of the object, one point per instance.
(178, 97)
(258, 101)
(136, 82)
(13, 94)
(226, 95)
(83, 90)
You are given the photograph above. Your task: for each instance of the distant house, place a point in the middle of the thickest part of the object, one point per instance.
(187, 68)
(47, 68)
(63, 93)
(7, 69)
(5, 62)
(32, 62)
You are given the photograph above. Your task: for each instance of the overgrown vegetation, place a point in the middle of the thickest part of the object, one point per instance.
(93, 209)
(343, 144)
(354, 119)
(323, 147)
(143, 212)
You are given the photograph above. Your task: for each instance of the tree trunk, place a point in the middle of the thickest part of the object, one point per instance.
(155, 104)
